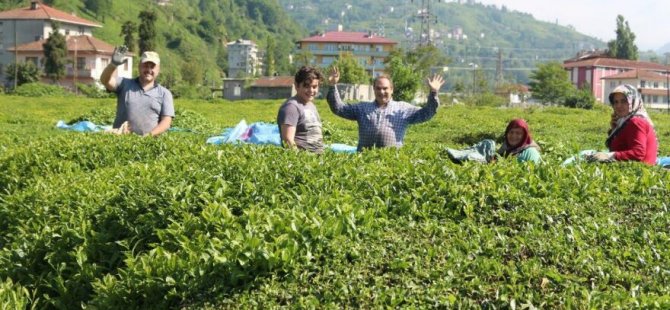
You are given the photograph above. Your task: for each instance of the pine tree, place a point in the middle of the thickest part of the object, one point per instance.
(128, 32)
(147, 31)
(55, 54)
(623, 47)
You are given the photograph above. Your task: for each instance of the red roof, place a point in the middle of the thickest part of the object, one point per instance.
(348, 37)
(274, 81)
(636, 74)
(614, 63)
(84, 44)
(44, 12)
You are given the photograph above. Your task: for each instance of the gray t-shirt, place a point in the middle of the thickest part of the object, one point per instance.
(305, 118)
(142, 109)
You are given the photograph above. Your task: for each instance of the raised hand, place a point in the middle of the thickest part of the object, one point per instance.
(119, 55)
(435, 82)
(334, 75)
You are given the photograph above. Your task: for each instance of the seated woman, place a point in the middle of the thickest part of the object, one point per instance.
(517, 142)
(631, 136)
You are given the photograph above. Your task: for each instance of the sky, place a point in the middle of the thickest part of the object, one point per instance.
(648, 19)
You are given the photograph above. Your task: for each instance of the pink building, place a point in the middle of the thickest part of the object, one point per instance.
(594, 69)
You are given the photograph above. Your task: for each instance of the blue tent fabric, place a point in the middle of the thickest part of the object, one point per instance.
(82, 126)
(663, 162)
(262, 133)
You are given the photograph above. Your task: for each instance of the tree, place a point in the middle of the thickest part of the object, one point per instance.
(192, 73)
(623, 47)
(351, 72)
(128, 32)
(550, 83)
(270, 56)
(99, 7)
(27, 72)
(424, 58)
(302, 58)
(147, 31)
(406, 80)
(55, 54)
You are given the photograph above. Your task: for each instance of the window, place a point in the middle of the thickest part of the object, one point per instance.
(104, 62)
(655, 99)
(643, 83)
(34, 60)
(81, 63)
(612, 84)
(655, 84)
(81, 30)
(313, 46)
(125, 66)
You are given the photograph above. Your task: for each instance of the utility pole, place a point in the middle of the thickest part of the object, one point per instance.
(499, 69)
(75, 67)
(16, 58)
(427, 18)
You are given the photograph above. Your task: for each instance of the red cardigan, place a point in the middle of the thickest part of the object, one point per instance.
(635, 141)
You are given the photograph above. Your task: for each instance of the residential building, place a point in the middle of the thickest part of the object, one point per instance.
(652, 86)
(595, 70)
(243, 59)
(265, 87)
(35, 23)
(368, 49)
(88, 58)
(281, 87)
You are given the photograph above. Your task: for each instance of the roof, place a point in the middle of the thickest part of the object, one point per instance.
(241, 42)
(636, 74)
(44, 12)
(348, 37)
(84, 43)
(654, 92)
(273, 81)
(614, 63)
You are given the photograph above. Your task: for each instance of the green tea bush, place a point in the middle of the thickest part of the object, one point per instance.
(108, 222)
(41, 90)
(93, 91)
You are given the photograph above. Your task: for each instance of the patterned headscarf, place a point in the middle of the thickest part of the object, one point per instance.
(527, 141)
(635, 108)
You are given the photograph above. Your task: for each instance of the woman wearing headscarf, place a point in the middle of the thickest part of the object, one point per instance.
(518, 142)
(631, 136)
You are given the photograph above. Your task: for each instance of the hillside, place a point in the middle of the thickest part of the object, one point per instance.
(522, 40)
(193, 33)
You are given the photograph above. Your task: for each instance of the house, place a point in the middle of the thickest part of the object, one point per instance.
(267, 87)
(652, 86)
(368, 49)
(23, 30)
(243, 59)
(592, 69)
(88, 58)
(281, 87)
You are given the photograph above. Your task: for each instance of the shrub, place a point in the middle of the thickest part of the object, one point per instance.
(41, 90)
(582, 99)
(93, 91)
(485, 99)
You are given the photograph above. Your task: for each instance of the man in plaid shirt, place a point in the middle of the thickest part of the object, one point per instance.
(382, 123)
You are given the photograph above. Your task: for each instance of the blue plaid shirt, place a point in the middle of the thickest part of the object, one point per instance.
(382, 126)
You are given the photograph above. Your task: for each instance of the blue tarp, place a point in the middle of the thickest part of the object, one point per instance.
(82, 126)
(660, 161)
(263, 133)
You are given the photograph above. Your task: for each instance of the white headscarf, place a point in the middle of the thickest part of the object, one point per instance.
(635, 108)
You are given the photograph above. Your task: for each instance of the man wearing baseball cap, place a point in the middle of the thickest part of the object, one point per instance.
(143, 103)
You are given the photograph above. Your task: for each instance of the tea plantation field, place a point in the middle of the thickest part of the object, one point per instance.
(112, 222)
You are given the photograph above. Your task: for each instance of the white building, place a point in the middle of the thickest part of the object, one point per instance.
(653, 86)
(243, 59)
(24, 30)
